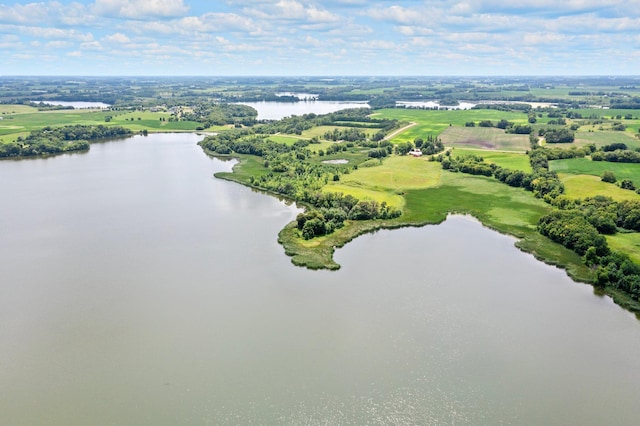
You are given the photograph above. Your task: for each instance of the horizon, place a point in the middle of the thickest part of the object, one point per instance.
(299, 38)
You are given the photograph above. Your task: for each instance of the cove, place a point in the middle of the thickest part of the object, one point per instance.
(138, 289)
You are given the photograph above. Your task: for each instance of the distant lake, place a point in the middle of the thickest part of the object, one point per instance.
(75, 104)
(137, 289)
(276, 110)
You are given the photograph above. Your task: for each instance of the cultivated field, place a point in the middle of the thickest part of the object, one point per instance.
(484, 137)
(433, 122)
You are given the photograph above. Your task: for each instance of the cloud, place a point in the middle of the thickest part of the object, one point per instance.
(292, 10)
(50, 13)
(399, 14)
(141, 9)
(117, 38)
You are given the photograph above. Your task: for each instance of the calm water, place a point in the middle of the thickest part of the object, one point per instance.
(138, 289)
(277, 110)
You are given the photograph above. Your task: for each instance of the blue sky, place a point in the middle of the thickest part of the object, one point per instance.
(334, 37)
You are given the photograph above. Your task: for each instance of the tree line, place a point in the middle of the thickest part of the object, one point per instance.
(56, 140)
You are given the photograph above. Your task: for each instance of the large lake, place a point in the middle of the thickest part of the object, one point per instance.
(137, 289)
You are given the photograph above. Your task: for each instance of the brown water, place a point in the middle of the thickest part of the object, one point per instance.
(138, 289)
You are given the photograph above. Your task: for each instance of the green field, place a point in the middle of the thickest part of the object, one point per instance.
(319, 131)
(508, 160)
(484, 137)
(19, 120)
(286, 139)
(583, 186)
(389, 181)
(628, 243)
(600, 138)
(584, 166)
(433, 122)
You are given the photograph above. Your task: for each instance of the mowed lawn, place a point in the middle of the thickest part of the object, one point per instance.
(484, 137)
(433, 122)
(507, 160)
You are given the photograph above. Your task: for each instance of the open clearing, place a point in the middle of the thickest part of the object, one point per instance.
(600, 138)
(398, 173)
(628, 243)
(484, 137)
(508, 160)
(583, 186)
(388, 181)
(433, 122)
(584, 166)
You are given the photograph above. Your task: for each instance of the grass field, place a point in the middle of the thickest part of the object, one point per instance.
(433, 122)
(583, 186)
(484, 137)
(319, 131)
(19, 120)
(600, 138)
(628, 243)
(584, 166)
(508, 160)
(286, 139)
(367, 194)
(390, 180)
(16, 109)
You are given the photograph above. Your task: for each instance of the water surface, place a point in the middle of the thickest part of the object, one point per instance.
(138, 289)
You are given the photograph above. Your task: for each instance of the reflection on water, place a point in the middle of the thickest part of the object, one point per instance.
(138, 289)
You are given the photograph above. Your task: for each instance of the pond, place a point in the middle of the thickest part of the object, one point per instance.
(138, 289)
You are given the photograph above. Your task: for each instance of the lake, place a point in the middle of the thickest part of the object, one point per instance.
(269, 110)
(138, 289)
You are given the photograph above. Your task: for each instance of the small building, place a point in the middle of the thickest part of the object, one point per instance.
(415, 152)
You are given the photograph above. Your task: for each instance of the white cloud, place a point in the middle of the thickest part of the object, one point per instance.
(48, 32)
(117, 38)
(376, 45)
(140, 9)
(292, 10)
(49, 13)
(399, 14)
(91, 45)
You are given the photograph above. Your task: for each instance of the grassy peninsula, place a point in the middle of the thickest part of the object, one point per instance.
(352, 184)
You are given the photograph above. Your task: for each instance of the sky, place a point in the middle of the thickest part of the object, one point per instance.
(317, 38)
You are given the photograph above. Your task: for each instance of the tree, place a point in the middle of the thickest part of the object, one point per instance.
(608, 177)
(627, 184)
